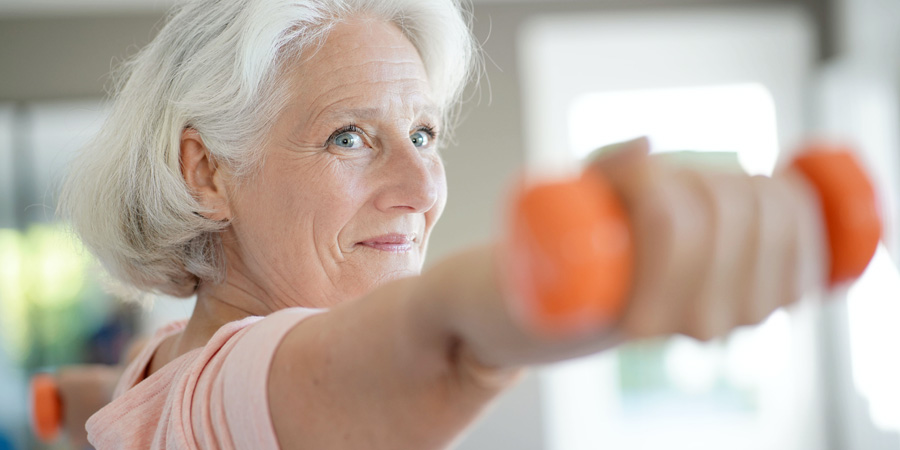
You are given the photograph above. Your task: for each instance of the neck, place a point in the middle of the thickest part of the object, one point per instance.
(217, 305)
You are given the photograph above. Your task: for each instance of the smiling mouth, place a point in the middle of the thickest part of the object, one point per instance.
(391, 243)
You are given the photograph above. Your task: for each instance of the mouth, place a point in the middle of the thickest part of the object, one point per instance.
(391, 243)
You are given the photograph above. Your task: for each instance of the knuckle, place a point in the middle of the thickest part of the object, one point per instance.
(705, 326)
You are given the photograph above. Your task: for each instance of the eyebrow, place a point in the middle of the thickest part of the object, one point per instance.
(426, 109)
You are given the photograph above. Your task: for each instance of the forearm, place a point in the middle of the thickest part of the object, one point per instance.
(469, 297)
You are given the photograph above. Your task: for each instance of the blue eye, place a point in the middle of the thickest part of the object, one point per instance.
(348, 139)
(420, 138)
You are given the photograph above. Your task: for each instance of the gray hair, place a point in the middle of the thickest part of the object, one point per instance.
(215, 67)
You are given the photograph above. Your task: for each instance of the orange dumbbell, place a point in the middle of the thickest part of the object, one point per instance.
(572, 253)
(46, 407)
(849, 209)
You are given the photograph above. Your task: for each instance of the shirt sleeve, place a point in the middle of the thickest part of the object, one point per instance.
(233, 389)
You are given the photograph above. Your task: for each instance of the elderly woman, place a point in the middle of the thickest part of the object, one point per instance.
(279, 159)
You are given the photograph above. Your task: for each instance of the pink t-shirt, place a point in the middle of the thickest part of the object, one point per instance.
(210, 397)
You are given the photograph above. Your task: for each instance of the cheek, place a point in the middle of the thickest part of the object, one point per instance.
(440, 181)
(302, 204)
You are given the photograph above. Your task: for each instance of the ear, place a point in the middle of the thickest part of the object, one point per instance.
(203, 176)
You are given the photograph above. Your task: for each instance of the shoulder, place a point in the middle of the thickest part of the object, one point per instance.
(140, 354)
(220, 388)
(232, 391)
(275, 325)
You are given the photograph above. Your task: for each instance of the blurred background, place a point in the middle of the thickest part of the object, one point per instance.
(752, 77)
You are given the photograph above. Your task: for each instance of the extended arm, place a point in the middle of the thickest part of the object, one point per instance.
(409, 365)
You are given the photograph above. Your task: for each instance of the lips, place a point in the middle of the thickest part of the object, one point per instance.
(393, 243)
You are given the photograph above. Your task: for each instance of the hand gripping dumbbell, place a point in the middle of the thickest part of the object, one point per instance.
(62, 402)
(571, 251)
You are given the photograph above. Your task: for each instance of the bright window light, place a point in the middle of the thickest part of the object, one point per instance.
(736, 118)
(874, 312)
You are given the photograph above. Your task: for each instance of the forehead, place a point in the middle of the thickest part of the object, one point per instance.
(363, 64)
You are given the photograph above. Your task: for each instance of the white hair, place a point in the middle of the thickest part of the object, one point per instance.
(215, 67)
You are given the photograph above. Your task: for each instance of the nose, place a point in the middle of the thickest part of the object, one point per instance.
(409, 179)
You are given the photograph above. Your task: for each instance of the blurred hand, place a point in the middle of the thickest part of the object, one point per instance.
(84, 390)
(714, 251)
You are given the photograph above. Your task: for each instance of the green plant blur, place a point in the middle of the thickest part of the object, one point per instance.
(50, 299)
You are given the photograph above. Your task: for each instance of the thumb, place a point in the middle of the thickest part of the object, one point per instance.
(617, 160)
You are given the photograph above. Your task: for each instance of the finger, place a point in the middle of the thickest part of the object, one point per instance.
(722, 289)
(617, 161)
(620, 151)
(775, 250)
(810, 259)
(671, 223)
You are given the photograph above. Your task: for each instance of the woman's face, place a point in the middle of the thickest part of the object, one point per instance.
(352, 183)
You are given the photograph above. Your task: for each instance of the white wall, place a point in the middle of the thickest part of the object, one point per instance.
(858, 98)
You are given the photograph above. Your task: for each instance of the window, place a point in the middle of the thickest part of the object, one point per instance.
(724, 80)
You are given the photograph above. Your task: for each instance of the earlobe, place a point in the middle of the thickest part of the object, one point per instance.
(203, 177)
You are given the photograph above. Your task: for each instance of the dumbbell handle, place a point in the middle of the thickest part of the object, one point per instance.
(571, 252)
